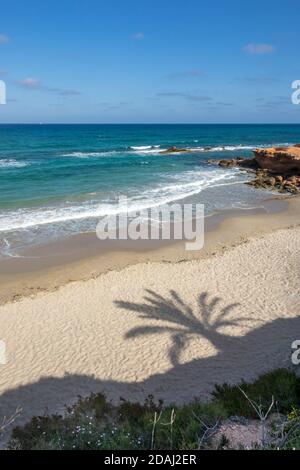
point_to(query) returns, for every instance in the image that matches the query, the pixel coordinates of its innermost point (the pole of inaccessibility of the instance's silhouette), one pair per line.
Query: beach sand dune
(172, 330)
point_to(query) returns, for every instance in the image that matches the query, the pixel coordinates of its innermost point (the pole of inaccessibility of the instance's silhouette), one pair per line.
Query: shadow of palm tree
(262, 348)
(182, 322)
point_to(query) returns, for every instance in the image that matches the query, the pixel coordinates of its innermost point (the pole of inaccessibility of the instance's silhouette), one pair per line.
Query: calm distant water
(57, 180)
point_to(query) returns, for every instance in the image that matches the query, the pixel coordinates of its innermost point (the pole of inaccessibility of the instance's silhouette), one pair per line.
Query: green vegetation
(282, 384)
(94, 423)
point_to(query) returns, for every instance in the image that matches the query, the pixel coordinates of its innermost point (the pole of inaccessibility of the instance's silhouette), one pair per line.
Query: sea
(59, 180)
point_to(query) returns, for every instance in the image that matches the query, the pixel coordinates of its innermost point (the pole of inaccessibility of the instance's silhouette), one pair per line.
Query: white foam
(232, 148)
(157, 149)
(11, 163)
(153, 197)
(5, 249)
(219, 148)
(88, 154)
(145, 147)
(225, 148)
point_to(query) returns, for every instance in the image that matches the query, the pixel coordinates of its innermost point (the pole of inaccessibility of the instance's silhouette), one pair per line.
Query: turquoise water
(57, 180)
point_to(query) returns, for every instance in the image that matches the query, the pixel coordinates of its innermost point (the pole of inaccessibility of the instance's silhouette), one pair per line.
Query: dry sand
(168, 329)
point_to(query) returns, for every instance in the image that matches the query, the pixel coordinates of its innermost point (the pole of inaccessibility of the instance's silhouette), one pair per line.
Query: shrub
(281, 383)
(94, 423)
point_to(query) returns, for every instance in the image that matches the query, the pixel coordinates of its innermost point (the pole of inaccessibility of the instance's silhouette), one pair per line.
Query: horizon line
(152, 123)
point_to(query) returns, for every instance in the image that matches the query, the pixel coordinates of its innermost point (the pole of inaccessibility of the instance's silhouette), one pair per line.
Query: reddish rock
(271, 181)
(279, 179)
(228, 163)
(247, 163)
(293, 179)
(267, 174)
(281, 160)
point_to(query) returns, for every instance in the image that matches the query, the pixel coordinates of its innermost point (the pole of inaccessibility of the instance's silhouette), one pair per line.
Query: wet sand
(83, 257)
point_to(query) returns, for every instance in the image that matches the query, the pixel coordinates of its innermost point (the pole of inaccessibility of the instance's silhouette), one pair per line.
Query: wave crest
(11, 163)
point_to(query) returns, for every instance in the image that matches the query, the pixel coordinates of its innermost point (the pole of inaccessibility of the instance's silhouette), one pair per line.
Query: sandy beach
(167, 325)
(149, 229)
(83, 257)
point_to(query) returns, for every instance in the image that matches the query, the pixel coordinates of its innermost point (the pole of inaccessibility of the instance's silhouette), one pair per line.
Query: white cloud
(30, 83)
(138, 36)
(4, 38)
(259, 49)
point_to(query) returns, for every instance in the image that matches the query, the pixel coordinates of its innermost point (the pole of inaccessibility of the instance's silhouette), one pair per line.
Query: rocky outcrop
(279, 168)
(282, 160)
(249, 163)
(175, 150)
(264, 178)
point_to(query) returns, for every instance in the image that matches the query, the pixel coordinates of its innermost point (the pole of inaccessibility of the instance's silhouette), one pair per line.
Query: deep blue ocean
(57, 180)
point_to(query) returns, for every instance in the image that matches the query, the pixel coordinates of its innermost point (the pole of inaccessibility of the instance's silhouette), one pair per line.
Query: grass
(94, 423)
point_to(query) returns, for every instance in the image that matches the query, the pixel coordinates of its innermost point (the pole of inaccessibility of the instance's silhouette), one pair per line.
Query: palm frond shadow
(258, 350)
(181, 321)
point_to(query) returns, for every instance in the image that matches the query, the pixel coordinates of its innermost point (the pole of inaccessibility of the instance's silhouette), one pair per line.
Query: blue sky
(149, 60)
